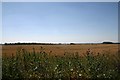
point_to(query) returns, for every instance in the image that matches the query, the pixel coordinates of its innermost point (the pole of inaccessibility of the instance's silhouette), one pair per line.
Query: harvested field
(8, 50)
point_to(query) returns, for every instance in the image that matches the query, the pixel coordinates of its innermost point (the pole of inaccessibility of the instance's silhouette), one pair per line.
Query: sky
(0, 22)
(60, 0)
(61, 22)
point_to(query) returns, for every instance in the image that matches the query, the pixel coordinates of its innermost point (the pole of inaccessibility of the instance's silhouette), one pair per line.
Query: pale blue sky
(0, 22)
(60, 22)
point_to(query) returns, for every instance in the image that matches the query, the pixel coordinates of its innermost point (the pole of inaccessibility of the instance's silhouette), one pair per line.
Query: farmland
(61, 49)
(64, 62)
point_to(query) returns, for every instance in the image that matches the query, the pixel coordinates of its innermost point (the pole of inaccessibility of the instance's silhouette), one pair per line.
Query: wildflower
(80, 75)
(97, 75)
(55, 68)
(59, 72)
(35, 68)
(88, 69)
(71, 69)
(103, 74)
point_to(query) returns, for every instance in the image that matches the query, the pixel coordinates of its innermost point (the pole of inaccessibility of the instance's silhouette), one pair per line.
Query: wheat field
(8, 50)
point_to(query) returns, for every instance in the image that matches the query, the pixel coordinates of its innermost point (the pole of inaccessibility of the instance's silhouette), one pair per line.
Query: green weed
(41, 65)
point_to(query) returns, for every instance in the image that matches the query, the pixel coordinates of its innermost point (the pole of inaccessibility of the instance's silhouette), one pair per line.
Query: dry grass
(36, 63)
(8, 50)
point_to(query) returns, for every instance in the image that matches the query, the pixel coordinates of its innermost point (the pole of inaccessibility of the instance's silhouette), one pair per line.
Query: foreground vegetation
(42, 65)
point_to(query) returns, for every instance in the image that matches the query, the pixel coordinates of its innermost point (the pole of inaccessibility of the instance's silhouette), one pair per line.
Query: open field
(45, 62)
(61, 49)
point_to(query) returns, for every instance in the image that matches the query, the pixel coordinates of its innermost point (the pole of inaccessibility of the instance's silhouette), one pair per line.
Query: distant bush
(72, 43)
(107, 42)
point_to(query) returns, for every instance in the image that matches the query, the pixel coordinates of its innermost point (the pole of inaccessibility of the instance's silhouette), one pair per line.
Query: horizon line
(60, 42)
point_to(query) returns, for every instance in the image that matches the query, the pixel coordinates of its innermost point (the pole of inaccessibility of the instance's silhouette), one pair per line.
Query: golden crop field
(61, 49)
(71, 62)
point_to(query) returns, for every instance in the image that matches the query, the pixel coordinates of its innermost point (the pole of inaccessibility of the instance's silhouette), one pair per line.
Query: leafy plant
(42, 65)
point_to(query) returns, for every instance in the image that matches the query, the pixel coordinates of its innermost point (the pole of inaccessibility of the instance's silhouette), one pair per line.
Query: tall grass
(42, 65)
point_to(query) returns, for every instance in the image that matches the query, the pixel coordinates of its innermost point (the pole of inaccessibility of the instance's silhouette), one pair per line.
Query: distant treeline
(56, 43)
(109, 43)
(31, 44)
